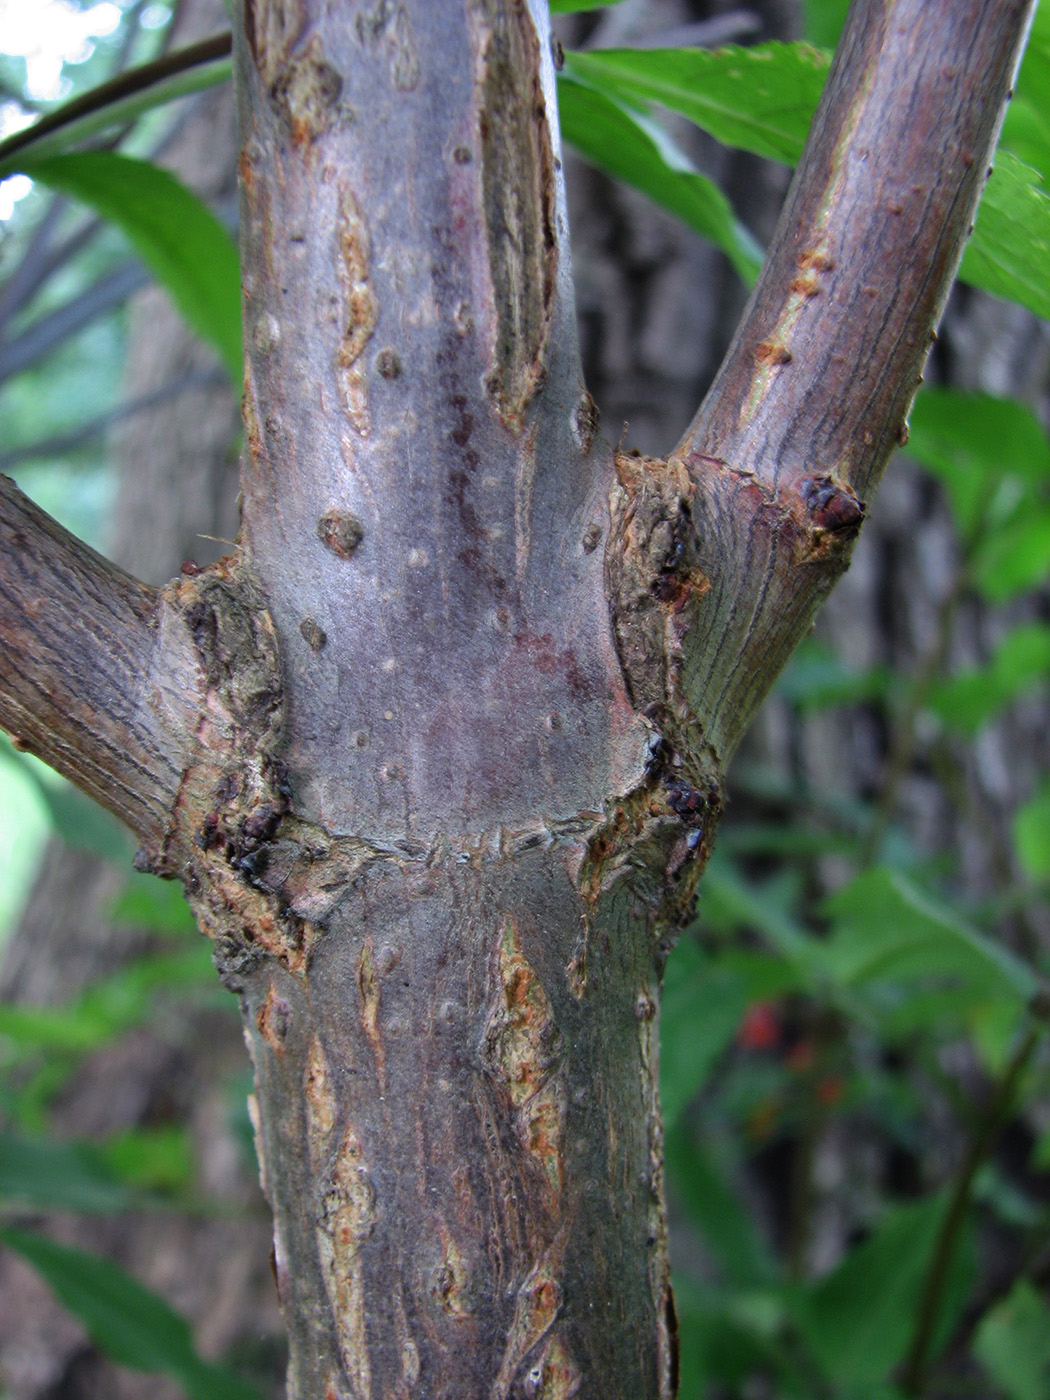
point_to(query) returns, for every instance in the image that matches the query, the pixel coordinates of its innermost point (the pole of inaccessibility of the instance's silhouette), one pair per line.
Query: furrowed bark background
(639, 282)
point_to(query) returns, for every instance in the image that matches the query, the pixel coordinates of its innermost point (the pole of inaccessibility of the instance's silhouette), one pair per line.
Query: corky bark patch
(517, 171)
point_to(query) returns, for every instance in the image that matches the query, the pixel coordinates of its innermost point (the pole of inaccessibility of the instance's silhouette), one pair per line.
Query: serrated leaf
(759, 99)
(128, 1323)
(1013, 1343)
(970, 700)
(178, 238)
(858, 1320)
(1031, 833)
(631, 147)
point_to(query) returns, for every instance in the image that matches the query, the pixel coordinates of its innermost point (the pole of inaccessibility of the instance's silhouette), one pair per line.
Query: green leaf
(728, 1230)
(1031, 832)
(631, 147)
(817, 678)
(859, 1319)
(762, 100)
(178, 238)
(573, 7)
(991, 454)
(759, 99)
(151, 1159)
(107, 1008)
(156, 905)
(1021, 661)
(49, 1175)
(700, 1013)
(128, 1323)
(1009, 253)
(1013, 1343)
(885, 929)
(1016, 557)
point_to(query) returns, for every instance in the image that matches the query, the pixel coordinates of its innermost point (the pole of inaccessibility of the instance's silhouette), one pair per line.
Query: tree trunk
(438, 753)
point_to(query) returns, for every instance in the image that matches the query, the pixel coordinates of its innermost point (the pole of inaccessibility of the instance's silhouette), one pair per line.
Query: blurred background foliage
(855, 1073)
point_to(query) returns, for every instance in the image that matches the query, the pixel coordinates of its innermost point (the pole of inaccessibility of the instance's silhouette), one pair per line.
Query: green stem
(913, 1377)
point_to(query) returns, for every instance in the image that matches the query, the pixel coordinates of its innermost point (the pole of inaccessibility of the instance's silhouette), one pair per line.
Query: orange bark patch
(770, 352)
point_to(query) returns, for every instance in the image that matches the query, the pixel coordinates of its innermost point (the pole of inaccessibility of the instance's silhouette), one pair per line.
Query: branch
(117, 89)
(814, 392)
(77, 639)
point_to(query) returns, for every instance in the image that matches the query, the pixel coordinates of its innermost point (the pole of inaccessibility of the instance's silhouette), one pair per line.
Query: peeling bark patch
(348, 1214)
(234, 791)
(306, 91)
(368, 990)
(450, 1280)
(536, 1308)
(361, 311)
(272, 28)
(388, 22)
(517, 176)
(554, 1375)
(585, 423)
(522, 1050)
(320, 1100)
(340, 532)
(272, 1019)
(768, 352)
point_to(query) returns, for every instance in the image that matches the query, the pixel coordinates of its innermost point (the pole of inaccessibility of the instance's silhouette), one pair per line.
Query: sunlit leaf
(631, 147)
(991, 454)
(758, 99)
(181, 242)
(1009, 253)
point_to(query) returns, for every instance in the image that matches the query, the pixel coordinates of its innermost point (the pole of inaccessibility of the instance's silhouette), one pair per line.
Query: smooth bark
(455, 718)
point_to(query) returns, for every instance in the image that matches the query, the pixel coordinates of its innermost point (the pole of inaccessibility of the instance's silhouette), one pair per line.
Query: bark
(449, 769)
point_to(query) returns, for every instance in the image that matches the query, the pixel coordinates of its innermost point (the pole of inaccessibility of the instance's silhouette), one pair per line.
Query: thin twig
(125, 85)
(913, 1376)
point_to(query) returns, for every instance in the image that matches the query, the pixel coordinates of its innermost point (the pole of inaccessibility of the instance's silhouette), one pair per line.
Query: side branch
(823, 369)
(77, 644)
(721, 555)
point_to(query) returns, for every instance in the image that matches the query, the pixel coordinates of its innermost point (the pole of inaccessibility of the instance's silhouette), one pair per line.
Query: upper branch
(721, 555)
(829, 354)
